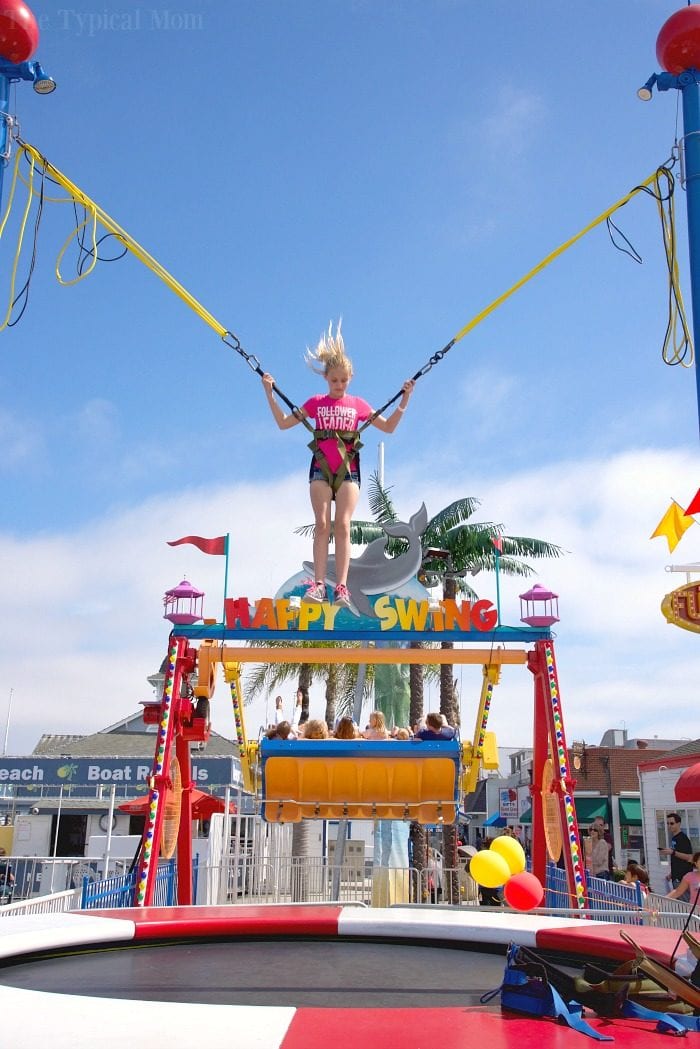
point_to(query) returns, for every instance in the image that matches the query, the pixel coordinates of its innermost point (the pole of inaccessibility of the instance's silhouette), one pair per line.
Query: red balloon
(19, 32)
(678, 43)
(523, 891)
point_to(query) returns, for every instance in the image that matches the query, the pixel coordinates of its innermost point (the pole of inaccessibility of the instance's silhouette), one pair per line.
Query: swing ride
(235, 969)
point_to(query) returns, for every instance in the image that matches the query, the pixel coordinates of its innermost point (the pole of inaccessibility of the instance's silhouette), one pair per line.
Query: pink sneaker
(341, 595)
(316, 592)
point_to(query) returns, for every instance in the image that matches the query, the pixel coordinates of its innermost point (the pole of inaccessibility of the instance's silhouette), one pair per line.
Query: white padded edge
(38, 932)
(468, 925)
(64, 1021)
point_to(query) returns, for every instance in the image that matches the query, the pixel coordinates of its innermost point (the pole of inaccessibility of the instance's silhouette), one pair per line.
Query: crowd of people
(683, 878)
(433, 726)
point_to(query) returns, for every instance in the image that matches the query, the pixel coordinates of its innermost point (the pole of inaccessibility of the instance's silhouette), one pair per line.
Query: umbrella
(203, 805)
(688, 786)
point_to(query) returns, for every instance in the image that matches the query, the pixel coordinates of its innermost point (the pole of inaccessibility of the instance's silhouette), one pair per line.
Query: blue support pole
(688, 83)
(4, 127)
(690, 91)
(11, 72)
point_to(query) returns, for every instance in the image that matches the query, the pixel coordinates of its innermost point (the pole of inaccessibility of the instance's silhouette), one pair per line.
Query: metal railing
(26, 877)
(118, 891)
(56, 903)
(670, 914)
(248, 879)
(618, 901)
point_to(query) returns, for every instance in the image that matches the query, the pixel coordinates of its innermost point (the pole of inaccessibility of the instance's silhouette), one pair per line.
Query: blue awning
(495, 820)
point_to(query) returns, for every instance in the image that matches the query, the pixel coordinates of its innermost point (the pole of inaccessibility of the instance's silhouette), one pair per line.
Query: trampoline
(289, 977)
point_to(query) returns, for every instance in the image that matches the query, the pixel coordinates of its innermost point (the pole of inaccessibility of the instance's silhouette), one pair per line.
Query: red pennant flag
(207, 546)
(498, 543)
(694, 507)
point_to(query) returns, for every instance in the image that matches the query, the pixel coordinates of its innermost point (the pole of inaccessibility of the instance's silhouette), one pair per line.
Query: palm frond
(380, 502)
(362, 533)
(513, 566)
(521, 546)
(305, 530)
(450, 516)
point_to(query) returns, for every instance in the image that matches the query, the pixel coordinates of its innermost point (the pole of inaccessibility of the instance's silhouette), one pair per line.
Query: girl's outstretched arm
(389, 425)
(682, 887)
(285, 422)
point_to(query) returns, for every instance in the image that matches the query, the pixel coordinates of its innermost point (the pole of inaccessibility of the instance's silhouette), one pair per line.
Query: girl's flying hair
(330, 352)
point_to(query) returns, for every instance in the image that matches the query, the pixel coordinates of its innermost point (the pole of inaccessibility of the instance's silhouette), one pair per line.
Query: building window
(690, 823)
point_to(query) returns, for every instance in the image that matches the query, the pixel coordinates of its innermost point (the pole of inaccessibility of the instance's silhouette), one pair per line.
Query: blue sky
(400, 163)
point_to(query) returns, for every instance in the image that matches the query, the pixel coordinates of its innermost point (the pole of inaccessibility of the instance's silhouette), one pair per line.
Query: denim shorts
(317, 474)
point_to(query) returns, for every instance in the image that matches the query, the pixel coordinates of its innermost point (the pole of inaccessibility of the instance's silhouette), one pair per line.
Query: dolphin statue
(375, 573)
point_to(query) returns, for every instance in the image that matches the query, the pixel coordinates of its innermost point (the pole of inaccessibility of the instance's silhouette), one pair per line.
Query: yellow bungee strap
(96, 215)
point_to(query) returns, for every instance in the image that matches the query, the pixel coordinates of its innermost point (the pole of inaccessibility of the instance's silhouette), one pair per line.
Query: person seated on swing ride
(435, 728)
(335, 465)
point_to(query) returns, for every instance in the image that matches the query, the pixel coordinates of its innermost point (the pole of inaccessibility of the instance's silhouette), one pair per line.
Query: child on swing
(335, 465)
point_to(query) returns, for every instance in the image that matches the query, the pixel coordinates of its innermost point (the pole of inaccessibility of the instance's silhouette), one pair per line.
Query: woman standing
(597, 851)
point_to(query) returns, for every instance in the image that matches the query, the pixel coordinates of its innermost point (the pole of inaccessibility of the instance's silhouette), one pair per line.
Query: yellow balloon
(512, 852)
(489, 869)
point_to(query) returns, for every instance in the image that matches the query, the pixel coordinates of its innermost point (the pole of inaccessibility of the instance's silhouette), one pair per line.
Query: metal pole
(236, 854)
(225, 858)
(380, 464)
(55, 837)
(110, 820)
(691, 142)
(12, 691)
(687, 83)
(498, 586)
(342, 832)
(4, 127)
(223, 613)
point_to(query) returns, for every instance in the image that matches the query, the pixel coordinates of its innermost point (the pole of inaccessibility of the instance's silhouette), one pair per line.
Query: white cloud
(97, 422)
(20, 442)
(487, 394)
(513, 124)
(82, 625)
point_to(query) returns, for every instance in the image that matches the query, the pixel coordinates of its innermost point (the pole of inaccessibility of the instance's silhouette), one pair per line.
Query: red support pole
(184, 832)
(539, 757)
(550, 742)
(159, 781)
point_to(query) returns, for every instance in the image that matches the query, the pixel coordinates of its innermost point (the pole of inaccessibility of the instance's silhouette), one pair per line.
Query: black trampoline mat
(333, 973)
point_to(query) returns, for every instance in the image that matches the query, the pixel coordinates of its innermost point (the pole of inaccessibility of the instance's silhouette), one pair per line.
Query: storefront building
(55, 799)
(664, 779)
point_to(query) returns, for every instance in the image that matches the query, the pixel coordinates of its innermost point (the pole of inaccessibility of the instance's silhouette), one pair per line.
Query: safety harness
(349, 441)
(349, 444)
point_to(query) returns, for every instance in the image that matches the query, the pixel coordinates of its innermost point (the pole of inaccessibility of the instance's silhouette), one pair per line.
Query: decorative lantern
(539, 607)
(183, 604)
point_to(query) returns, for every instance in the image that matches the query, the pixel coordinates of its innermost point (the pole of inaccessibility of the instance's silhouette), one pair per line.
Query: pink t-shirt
(693, 882)
(339, 413)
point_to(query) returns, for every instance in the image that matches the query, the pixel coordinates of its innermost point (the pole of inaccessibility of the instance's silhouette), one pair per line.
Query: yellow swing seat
(360, 779)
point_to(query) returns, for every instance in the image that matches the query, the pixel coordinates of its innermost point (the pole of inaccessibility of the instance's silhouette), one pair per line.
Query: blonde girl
(334, 475)
(377, 726)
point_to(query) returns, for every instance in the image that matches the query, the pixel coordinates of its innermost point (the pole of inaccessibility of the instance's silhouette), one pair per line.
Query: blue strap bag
(526, 989)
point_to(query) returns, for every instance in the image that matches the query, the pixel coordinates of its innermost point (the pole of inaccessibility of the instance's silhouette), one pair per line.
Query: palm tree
(454, 547)
(363, 533)
(340, 679)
